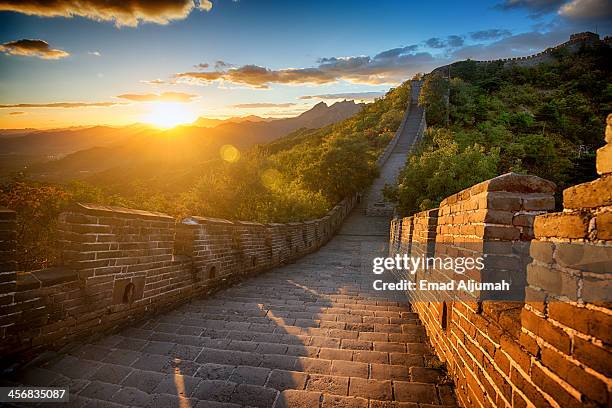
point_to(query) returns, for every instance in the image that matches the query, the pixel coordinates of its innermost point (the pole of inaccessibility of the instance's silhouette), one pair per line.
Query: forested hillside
(298, 177)
(545, 120)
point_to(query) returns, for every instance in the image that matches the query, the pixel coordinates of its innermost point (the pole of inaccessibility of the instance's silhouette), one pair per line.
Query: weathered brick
(562, 225)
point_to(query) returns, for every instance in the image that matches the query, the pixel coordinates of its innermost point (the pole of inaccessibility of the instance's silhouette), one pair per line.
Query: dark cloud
(201, 66)
(535, 7)
(221, 65)
(396, 52)
(516, 45)
(435, 42)
(263, 105)
(454, 41)
(121, 12)
(587, 10)
(491, 34)
(163, 97)
(17, 113)
(32, 48)
(362, 96)
(61, 105)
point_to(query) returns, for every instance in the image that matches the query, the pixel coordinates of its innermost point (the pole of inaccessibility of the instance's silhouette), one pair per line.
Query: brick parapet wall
(506, 354)
(568, 320)
(120, 265)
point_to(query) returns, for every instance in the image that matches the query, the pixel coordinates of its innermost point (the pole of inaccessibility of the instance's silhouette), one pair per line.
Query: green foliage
(433, 97)
(537, 120)
(441, 166)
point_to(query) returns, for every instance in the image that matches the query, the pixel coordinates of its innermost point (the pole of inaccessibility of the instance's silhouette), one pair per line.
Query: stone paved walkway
(310, 334)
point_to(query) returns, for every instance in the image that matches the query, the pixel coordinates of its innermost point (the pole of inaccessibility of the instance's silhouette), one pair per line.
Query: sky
(73, 63)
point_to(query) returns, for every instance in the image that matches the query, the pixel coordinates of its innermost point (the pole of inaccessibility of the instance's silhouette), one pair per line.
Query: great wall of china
(574, 43)
(148, 311)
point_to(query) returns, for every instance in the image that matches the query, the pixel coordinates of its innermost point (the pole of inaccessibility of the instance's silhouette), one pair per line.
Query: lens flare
(229, 153)
(271, 178)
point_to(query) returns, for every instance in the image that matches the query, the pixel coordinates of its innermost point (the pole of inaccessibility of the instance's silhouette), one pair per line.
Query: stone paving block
(158, 347)
(132, 344)
(250, 375)
(253, 395)
(145, 381)
(371, 356)
(111, 373)
(335, 401)
(409, 360)
(390, 347)
(279, 361)
(271, 348)
(73, 367)
(211, 371)
(214, 390)
(426, 375)
(99, 390)
(389, 372)
(298, 399)
(374, 389)
(354, 344)
(349, 369)
(284, 379)
(335, 354)
(171, 401)
(415, 392)
(176, 384)
(313, 365)
(328, 384)
(133, 397)
(302, 351)
(122, 357)
(185, 352)
(239, 345)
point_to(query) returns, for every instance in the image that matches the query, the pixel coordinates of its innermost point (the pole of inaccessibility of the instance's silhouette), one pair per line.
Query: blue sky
(275, 52)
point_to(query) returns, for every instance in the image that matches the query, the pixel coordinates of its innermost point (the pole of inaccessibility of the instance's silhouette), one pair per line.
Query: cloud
(535, 7)
(61, 105)
(362, 96)
(201, 66)
(435, 42)
(32, 48)
(387, 67)
(163, 97)
(263, 105)
(17, 113)
(157, 81)
(221, 65)
(516, 45)
(587, 10)
(491, 34)
(452, 41)
(95, 53)
(121, 12)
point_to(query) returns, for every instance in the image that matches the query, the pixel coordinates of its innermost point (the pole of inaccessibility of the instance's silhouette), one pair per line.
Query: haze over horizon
(67, 64)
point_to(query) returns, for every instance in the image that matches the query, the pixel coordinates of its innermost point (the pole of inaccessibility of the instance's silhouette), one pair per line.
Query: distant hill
(104, 153)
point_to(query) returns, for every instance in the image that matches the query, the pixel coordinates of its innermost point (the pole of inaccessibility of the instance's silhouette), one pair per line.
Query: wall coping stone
(509, 182)
(98, 209)
(198, 220)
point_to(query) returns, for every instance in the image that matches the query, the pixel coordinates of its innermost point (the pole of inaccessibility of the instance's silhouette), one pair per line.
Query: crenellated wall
(549, 347)
(120, 265)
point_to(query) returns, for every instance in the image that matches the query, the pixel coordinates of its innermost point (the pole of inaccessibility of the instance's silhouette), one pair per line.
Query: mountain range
(84, 153)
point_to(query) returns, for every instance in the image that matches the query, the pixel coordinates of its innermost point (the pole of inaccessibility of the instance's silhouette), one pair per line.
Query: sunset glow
(167, 115)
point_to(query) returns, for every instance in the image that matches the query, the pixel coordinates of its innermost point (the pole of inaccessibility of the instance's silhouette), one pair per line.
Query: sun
(167, 115)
